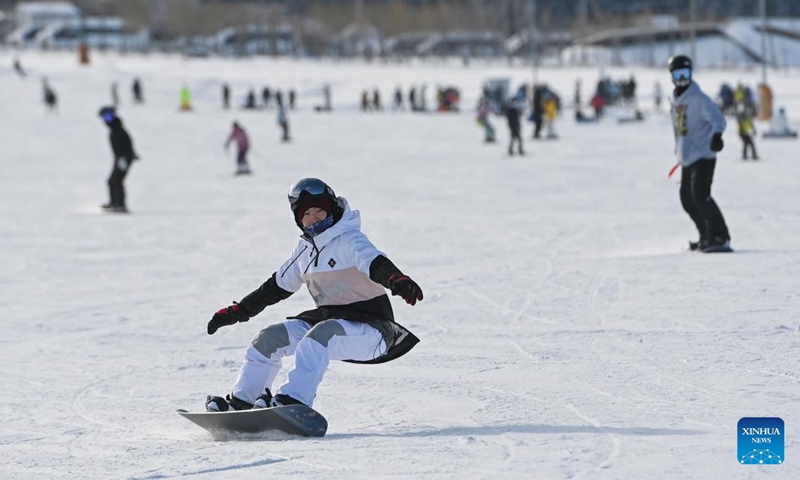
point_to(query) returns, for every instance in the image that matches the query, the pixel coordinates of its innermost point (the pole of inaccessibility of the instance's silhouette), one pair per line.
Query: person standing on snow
(513, 111)
(239, 136)
(698, 124)
(136, 88)
(50, 97)
(226, 96)
(122, 146)
(657, 95)
(747, 128)
(283, 119)
(484, 112)
(353, 319)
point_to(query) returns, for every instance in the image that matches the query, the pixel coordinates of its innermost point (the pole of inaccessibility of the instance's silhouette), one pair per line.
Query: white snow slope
(566, 331)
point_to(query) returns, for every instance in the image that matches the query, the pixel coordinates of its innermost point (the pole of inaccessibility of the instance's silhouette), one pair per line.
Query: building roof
(33, 8)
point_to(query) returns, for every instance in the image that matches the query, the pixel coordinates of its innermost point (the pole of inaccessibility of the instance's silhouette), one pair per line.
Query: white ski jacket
(341, 268)
(335, 266)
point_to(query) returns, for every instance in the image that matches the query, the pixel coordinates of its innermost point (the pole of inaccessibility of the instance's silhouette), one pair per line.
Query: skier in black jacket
(122, 146)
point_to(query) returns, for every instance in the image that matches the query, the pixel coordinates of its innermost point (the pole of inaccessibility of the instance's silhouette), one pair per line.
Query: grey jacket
(695, 119)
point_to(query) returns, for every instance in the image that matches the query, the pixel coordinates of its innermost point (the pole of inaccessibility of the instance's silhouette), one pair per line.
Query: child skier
(239, 136)
(346, 275)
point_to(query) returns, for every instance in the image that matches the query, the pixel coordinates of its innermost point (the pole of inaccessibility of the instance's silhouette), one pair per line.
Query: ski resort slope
(565, 332)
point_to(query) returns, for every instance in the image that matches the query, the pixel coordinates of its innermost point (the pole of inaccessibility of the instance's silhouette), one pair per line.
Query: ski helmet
(680, 66)
(313, 192)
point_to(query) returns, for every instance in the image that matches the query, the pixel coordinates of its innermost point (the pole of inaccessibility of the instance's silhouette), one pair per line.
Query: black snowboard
(293, 419)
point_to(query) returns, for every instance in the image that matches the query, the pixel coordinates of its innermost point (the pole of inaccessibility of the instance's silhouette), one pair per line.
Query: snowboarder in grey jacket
(353, 320)
(698, 124)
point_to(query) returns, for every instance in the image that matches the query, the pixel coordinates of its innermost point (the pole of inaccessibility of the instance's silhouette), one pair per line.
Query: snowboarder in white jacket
(353, 319)
(698, 124)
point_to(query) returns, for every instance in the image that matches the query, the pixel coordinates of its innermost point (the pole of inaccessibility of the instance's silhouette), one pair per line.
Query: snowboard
(718, 249)
(292, 419)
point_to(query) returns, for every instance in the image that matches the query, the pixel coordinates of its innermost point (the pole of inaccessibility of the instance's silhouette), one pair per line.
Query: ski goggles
(107, 117)
(682, 74)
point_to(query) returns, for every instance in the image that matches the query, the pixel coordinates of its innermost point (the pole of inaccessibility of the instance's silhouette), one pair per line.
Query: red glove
(227, 316)
(402, 286)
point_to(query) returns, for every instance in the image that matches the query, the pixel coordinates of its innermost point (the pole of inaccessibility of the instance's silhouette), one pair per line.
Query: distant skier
(115, 94)
(239, 136)
(185, 99)
(326, 100)
(50, 97)
(698, 124)
(376, 100)
(18, 68)
(283, 120)
(513, 111)
(326, 94)
(746, 124)
(124, 155)
(550, 110)
(657, 95)
(353, 321)
(598, 103)
(292, 98)
(266, 96)
(484, 112)
(226, 96)
(250, 100)
(779, 126)
(537, 109)
(365, 105)
(136, 88)
(397, 104)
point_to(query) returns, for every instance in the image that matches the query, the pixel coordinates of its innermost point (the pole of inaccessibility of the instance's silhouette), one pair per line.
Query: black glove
(403, 286)
(717, 143)
(227, 316)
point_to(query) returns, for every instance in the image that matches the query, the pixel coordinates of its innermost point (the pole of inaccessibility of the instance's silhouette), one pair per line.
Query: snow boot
(264, 400)
(698, 246)
(280, 400)
(718, 245)
(219, 404)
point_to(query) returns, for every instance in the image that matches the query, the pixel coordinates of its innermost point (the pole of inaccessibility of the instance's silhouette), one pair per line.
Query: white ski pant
(313, 349)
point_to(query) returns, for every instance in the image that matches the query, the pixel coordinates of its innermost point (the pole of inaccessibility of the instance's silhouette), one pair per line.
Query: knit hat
(325, 203)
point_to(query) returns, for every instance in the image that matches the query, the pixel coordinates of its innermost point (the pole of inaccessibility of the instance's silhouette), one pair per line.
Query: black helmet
(680, 66)
(313, 192)
(679, 61)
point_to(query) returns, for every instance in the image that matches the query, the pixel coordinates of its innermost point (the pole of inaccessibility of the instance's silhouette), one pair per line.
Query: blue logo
(760, 441)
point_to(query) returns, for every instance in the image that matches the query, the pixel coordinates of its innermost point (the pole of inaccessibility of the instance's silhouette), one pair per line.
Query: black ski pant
(747, 140)
(515, 137)
(697, 202)
(537, 127)
(116, 189)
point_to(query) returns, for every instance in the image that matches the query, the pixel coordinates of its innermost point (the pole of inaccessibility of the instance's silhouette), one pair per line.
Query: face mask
(319, 227)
